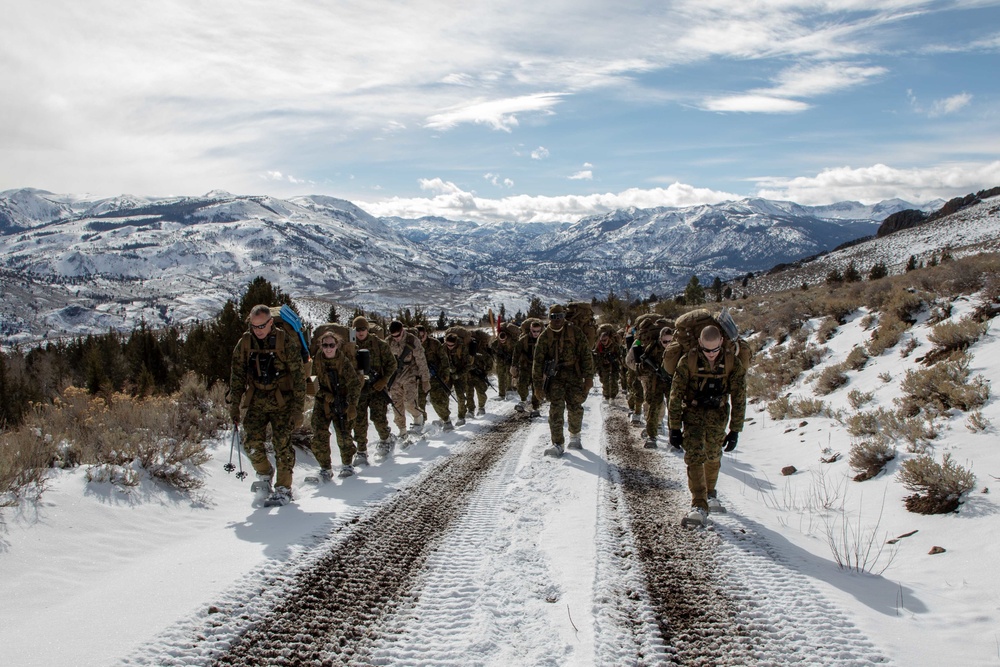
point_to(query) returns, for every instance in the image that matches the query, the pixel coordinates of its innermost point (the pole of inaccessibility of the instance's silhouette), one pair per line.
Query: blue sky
(512, 110)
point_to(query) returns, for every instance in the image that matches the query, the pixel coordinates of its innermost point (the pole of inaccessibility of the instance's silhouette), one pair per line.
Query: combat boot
(345, 471)
(325, 474)
(480, 412)
(574, 441)
(281, 495)
(460, 421)
(650, 443)
(636, 419)
(519, 407)
(360, 459)
(714, 506)
(555, 451)
(447, 426)
(696, 518)
(534, 413)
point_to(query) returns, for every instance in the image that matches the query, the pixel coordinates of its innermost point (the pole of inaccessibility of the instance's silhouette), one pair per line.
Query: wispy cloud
(496, 180)
(754, 104)
(950, 104)
(540, 153)
(877, 182)
(452, 202)
(498, 114)
(584, 175)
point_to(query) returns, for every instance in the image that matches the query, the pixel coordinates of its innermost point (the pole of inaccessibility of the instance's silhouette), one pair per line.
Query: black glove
(676, 438)
(730, 441)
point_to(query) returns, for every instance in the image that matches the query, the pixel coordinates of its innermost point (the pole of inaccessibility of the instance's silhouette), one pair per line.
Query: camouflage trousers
(503, 378)
(322, 417)
(633, 386)
(704, 433)
(405, 394)
(523, 386)
(609, 380)
(461, 386)
(440, 400)
(476, 388)
(565, 394)
(264, 410)
(654, 399)
(377, 404)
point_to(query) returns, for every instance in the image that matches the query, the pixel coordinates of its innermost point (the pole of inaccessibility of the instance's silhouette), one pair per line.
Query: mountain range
(72, 265)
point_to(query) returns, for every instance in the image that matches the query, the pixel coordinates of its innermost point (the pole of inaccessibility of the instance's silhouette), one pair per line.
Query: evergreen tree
(536, 308)
(717, 289)
(878, 270)
(911, 263)
(442, 323)
(835, 277)
(851, 273)
(260, 290)
(694, 293)
(332, 315)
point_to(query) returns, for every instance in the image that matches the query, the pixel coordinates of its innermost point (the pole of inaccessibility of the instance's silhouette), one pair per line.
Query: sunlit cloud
(496, 180)
(950, 104)
(540, 153)
(878, 182)
(754, 104)
(454, 203)
(497, 114)
(584, 175)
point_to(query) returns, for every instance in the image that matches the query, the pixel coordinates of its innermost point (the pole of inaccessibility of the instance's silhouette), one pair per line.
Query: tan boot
(696, 484)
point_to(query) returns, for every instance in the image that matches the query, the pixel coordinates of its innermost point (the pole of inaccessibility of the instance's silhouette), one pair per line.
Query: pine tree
(332, 315)
(878, 270)
(536, 308)
(851, 273)
(911, 263)
(694, 293)
(717, 289)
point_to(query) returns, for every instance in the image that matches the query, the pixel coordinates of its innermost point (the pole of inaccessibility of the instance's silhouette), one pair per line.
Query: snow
(93, 576)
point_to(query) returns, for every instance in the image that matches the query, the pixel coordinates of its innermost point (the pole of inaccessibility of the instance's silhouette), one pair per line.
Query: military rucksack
(688, 328)
(581, 315)
(526, 324)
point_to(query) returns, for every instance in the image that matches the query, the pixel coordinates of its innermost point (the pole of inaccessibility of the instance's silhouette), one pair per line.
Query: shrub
(831, 378)
(786, 408)
(908, 347)
(888, 333)
(977, 423)
(943, 386)
(888, 425)
(868, 458)
(951, 336)
(858, 398)
(939, 487)
(856, 359)
(827, 328)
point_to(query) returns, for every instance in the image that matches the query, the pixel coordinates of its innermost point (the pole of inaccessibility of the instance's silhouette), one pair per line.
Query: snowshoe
(696, 518)
(480, 412)
(519, 407)
(382, 449)
(460, 421)
(716, 507)
(534, 413)
(325, 475)
(360, 459)
(281, 495)
(262, 487)
(345, 471)
(555, 451)
(448, 426)
(650, 443)
(574, 441)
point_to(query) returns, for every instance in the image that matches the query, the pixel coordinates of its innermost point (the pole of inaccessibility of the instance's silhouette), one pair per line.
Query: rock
(801, 424)
(213, 610)
(936, 550)
(789, 470)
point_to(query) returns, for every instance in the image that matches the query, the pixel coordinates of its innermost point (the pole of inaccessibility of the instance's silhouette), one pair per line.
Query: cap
(360, 323)
(395, 326)
(557, 309)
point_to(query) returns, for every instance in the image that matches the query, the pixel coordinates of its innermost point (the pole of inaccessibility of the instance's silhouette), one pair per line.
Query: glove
(730, 441)
(588, 384)
(676, 438)
(380, 384)
(425, 387)
(352, 412)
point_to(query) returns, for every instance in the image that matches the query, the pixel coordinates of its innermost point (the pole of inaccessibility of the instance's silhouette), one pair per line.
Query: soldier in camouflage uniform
(459, 364)
(267, 381)
(411, 376)
(608, 361)
(562, 371)
(373, 397)
(439, 368)
(503, 356)
(631, 384)
(708, 380)
(339, 387)
(647, 362)
(479, 371)
(520, 370)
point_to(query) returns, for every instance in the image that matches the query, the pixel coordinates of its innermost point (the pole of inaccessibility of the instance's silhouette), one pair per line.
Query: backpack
(526, 324)
(464, 335)
(688, 328)
(344, 333)
(281, 330)
(581, 315)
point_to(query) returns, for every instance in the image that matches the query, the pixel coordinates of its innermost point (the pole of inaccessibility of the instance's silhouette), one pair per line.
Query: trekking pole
(236, 444)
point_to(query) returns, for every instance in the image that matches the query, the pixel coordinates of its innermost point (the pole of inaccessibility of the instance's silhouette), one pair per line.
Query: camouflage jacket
(524, 353)
(272, 365)
(708, 388)
(570, 350)
(608, 358)
(459, 360)
(410, 365)
(382, 360)
(339, 381)
(503, 352)
(435, 354)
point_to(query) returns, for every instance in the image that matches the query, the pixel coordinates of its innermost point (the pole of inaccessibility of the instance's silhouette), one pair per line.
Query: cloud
(540, 153)
(754, 104)
(497, 181)
(452, 202)
(585, 175)
(498, 114)
(949, 104)
(878, 182)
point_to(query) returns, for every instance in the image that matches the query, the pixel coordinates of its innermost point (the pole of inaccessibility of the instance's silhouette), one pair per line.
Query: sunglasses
(557, 316)
(711, 351)
(328, 346)
(262, 326)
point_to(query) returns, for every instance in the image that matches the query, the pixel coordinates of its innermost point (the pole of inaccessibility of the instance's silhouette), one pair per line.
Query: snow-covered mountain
(75, 264)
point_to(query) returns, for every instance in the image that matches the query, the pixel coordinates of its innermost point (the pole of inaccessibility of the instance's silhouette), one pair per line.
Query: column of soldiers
(553, 362)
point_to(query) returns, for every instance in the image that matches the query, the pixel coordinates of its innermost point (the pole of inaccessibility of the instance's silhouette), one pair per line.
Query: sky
(506, 110)
(128, 576)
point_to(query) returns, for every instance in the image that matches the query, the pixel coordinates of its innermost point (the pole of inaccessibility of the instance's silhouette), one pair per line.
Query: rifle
(434, 374)
(364, 358)
(660, 371)
(339, 402)
(481, 374)
(549, 371)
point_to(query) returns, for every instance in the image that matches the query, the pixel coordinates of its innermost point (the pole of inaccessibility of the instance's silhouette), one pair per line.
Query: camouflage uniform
(479, 371)
(411, 376)
(566, 391)
(439, 369)
(655, 382)
(339, 387)
(383, 365)
(459, 365)
(503, 356)
(701, 402)
(608, 360)
(524, 354)
(268, 382)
